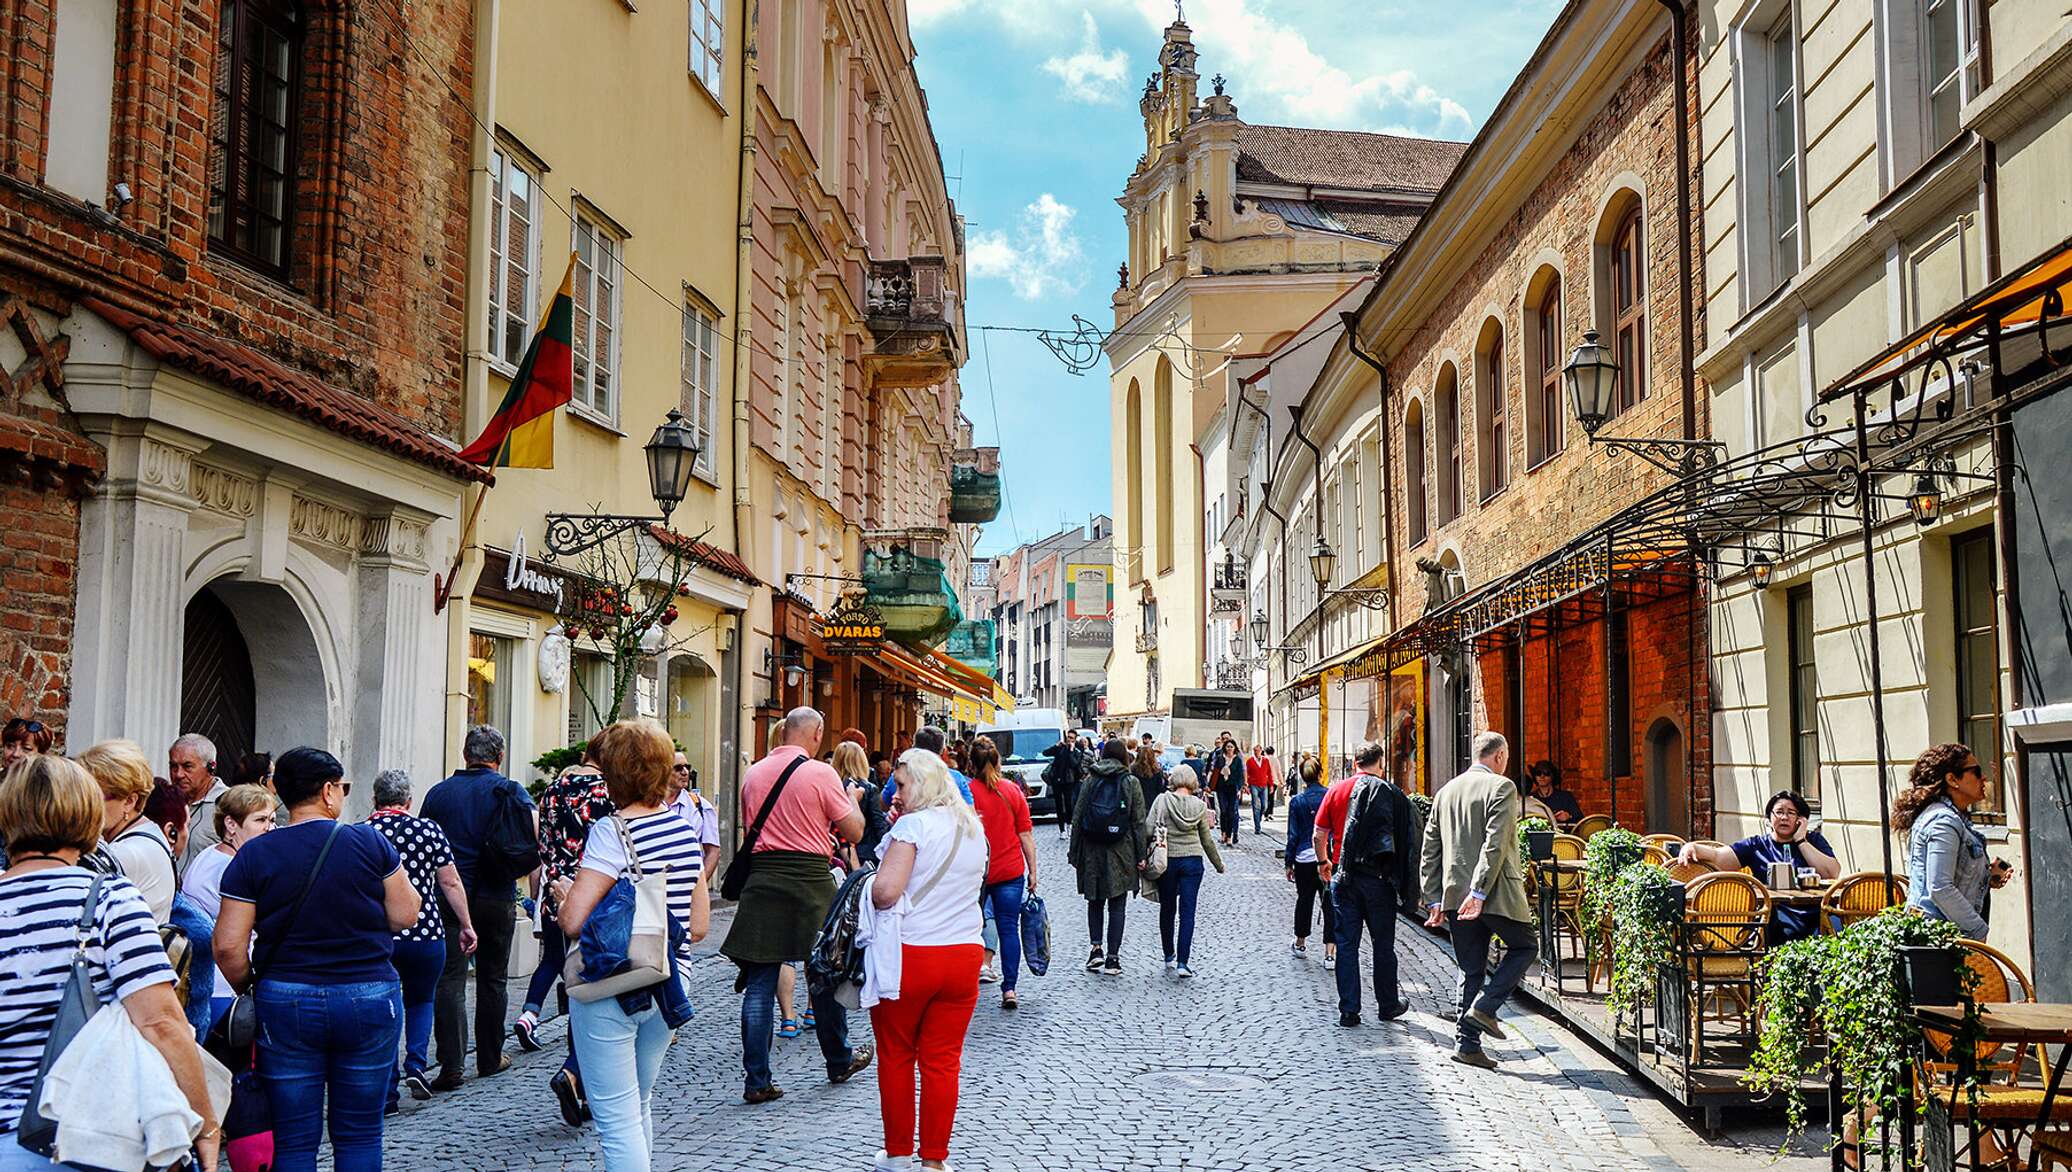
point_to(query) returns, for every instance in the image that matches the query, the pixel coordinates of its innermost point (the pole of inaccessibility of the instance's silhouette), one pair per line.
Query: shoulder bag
(77, 1002)
(646, 947)
(232, 1037)
(735, 880)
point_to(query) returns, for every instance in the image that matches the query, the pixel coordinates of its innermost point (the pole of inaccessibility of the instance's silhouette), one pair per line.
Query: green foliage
(1847, 985)
(1643, 936)
(553, 761)
(1529, 824)
(1604, 856)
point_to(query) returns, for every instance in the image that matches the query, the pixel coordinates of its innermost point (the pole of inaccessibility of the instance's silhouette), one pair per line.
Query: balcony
(972, 643)
(912, 314)
(1147, 641)
(1233, 676)
(903, 577)
(1227, 591)
(974, 485)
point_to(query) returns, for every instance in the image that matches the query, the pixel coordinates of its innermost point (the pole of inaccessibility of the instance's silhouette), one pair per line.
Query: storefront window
(589, 695)
(490, 680)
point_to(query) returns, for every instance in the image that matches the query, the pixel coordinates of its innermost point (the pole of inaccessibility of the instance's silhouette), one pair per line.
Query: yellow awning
(1335, 661)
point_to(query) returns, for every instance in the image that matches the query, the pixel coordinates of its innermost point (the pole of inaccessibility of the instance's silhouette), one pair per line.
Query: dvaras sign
(854, 627)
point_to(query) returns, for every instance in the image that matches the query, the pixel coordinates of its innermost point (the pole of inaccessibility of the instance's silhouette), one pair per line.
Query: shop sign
(515, 578)
(854, 627)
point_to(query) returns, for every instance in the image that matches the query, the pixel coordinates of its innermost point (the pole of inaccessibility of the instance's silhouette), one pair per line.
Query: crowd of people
(248, 929)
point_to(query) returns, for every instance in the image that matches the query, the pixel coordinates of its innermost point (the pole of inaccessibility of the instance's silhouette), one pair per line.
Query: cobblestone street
(1242, 1068)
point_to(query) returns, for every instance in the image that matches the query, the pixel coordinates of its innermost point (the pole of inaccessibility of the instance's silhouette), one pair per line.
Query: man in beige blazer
(1474, 882)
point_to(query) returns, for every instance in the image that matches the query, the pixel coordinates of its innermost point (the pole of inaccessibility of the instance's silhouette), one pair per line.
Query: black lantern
(1322, 561)
(1259, 628)
(1925, 501)
(1760, 569)
(671, 454)
(1592, 377)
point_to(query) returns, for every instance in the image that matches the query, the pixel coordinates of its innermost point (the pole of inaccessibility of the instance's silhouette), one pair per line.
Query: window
(590, 686)
(1449, 444)
(708, 44)
(1545, 388)
(700, 379)
(1414, 468)
(1629, 311)
(1494, 451)
(252, 130)
(1978, 655)
(513, 256)
(1162, 456)
(1804, 692)
(1943, 56)
(490, 680)
(1133, 489)
(1770, 162)
(596, 318)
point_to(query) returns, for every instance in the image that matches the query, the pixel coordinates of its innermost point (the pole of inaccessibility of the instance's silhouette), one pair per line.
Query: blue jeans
(1177, 889)
(418, 963)
(1365, 901)
(1003, 904)
(1259, 804)
(336, 1038)
(553, 951)
(621, 1055)
(16, 1158)
(759, 997)
(1479, 988)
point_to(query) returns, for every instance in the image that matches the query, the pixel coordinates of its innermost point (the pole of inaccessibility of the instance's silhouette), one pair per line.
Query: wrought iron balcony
(911, 311)
(1147, 640)
(1233, 675)
(903, 577)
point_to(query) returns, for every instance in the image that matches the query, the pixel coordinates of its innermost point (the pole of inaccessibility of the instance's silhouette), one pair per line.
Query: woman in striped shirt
(621, 1053)
(50, 814)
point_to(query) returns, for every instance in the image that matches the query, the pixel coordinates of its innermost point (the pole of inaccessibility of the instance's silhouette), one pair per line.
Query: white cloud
(922, 12)
(1038, 257)
(1090, 75)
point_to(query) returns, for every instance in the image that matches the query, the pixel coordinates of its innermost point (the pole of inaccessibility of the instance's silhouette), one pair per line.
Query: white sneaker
(887, 1163)
(989, 975)
(1171, 964)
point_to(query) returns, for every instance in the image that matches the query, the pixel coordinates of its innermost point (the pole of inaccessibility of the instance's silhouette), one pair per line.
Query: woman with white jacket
(934, 858)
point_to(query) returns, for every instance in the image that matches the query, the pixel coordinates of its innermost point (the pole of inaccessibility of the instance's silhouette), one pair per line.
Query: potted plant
(1536, 839)
(1646, 906)
(1607, 854)
(1929, 974)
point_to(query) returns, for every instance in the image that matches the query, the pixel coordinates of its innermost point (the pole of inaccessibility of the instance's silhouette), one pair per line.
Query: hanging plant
(1787, 1005)
(1643, 935)
(1527, 826)
(1606, 854)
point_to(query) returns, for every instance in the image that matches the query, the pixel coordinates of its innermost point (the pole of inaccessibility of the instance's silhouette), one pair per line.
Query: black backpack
(1106, 818)
(1370, 828)
(510, 846)
(835, 965)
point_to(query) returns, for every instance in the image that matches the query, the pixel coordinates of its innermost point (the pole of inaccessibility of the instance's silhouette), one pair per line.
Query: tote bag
(647, 942)
(77, 1002)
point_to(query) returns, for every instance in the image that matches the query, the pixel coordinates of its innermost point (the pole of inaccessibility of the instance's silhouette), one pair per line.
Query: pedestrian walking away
(853, 767)
(420, 949)
(326, 901)
(936, 859)
(1184, 820)
(1145, 768)
(797, 801)
(1366, 831)
(471, 806)
(1107, 851)
(570, 805)
(1003, 812)
(1474, 882)
(1304, 869)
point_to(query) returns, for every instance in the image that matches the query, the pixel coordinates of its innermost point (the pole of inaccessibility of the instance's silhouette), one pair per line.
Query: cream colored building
(629, 158)
(1239, 234)
(1867, 166)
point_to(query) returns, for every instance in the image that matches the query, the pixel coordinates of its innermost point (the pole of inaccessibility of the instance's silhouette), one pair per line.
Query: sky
(1035, 107)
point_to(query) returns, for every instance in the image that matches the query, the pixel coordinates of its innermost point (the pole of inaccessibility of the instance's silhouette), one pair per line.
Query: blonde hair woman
(132, 843)
(243, 813)
(854, 765)
(1184, 817)
(935, 857)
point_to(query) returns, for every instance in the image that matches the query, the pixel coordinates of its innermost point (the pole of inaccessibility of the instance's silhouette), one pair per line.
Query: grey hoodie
(1185, 819)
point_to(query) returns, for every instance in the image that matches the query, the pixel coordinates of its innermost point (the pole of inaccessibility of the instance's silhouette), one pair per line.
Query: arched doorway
(252, 677)
(1669, 789)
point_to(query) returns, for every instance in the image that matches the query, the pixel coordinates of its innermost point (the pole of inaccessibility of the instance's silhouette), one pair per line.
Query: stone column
(129, 643)
(394, 721)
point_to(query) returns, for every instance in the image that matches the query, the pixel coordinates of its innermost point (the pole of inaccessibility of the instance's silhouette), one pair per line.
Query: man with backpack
(1365, 833)
(494, 831)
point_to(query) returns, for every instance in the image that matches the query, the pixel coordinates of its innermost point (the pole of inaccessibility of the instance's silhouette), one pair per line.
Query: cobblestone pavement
(1242, 1068)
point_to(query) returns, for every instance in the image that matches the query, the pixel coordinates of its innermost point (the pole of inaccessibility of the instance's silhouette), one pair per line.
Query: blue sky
(1034, 104)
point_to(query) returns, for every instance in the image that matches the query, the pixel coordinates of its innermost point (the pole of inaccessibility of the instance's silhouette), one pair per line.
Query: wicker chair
(1859, 897)
(1654, 855)
(1726, 919)
(1568, 892)
(2005, 1105)
(1590, 824)
(1670, 843)
(1685, 872)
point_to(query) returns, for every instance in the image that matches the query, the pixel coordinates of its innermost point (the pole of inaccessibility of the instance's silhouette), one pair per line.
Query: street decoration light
(1260, 628)
(1760, 568)
(1925, 501)
(672, 453)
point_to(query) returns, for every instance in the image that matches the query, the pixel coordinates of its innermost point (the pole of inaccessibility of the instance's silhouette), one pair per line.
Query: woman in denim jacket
(1946, 855)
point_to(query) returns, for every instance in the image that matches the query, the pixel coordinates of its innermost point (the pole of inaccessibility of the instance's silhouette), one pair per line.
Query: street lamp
(1260, 628)
(672, 452)
(1925, 502)
(1592, 377)
(1760, 568)
(1322, 561)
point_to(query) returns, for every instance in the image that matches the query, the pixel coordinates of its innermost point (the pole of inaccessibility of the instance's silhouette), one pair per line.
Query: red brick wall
(39, 557)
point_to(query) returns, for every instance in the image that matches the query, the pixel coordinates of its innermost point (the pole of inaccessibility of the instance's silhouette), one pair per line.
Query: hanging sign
(853, 627)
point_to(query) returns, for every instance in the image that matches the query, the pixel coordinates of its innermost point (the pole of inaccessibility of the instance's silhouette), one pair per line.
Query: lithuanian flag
(521, 433)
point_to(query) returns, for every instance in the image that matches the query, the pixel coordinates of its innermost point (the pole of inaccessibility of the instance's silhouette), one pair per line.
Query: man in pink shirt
(790, 802)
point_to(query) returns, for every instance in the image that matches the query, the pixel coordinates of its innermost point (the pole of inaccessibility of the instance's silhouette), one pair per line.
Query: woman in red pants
(935, 858)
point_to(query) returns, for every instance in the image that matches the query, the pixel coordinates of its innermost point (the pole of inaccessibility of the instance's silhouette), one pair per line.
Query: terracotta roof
(1386, 222)
(1343, 158)
(50, 446)
(249, 372)
(710, 556)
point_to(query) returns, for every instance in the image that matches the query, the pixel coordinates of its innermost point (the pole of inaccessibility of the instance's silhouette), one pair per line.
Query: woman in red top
(1011, 857)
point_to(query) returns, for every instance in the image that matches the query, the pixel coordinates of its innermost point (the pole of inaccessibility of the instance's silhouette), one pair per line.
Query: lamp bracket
(1373, 598)
(1679, 457)
(569, 534)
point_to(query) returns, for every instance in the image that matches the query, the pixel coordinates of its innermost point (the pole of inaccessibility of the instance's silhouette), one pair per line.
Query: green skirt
(781, 909)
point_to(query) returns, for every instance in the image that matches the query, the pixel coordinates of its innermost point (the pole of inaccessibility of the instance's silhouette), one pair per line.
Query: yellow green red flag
(521, 432)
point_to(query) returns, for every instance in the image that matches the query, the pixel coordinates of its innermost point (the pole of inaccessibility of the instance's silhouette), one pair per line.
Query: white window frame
(601, 288)
(707, 45)
(699, 371)
(1905, 68)
(1773, 238)
(503, 163)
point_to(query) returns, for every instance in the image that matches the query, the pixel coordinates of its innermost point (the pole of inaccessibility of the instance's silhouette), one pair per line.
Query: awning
(1339, 660)
(971, 682)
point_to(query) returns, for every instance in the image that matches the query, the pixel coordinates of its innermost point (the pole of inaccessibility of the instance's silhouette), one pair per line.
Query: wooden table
(2039, 1023)
(1800, 896)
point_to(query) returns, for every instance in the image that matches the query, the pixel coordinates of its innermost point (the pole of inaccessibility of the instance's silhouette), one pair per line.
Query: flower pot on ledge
(1928, 975)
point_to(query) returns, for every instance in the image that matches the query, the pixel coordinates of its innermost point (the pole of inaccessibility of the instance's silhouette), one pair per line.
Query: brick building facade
(240, 233)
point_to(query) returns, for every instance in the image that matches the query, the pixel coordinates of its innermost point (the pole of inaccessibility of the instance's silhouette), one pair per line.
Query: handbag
(77, 1002)
(248, 1124)
(735, 879)
(233, 1038)
(1035, 935)
(1155, 862)
(647, 936)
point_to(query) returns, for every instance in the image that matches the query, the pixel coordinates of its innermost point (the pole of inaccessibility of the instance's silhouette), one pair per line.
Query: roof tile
(1343, 158)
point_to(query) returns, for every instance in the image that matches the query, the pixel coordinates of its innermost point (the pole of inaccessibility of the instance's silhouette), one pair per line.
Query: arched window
(1162, 457)
(1493, 433)
(1630, 309)
(258, 97)
(1133, 488)
(1414, 468)
(1543, 420)
(1448, 398)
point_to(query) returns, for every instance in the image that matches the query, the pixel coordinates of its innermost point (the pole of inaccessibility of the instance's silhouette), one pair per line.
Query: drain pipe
(1266, 500)
(744, 283)
(1679, 23)
(1351, 322)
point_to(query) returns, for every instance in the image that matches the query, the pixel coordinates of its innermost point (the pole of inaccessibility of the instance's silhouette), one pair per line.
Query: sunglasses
(680, 768)
(344, 787)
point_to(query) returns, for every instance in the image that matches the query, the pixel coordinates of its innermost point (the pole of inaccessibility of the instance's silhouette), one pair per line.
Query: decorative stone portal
(241, 702)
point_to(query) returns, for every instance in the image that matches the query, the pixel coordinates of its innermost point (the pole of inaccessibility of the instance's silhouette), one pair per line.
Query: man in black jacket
(1067, 765)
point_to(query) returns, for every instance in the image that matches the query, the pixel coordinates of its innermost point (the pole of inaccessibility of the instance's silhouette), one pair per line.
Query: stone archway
(252, 677)
(1668, 780)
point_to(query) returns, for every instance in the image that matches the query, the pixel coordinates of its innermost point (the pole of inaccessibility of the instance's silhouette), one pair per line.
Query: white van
(1021, 736)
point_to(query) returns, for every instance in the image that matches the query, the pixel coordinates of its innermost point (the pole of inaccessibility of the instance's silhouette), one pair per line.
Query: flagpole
(442, 588)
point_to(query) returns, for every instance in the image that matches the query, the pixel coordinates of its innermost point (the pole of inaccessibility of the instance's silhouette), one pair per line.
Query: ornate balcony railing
(911, 311)
(1233, 675)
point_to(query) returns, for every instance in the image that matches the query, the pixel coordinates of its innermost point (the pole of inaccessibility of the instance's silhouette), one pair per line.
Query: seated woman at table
(1946, 855)
(1791, 839)
(1546, 786)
